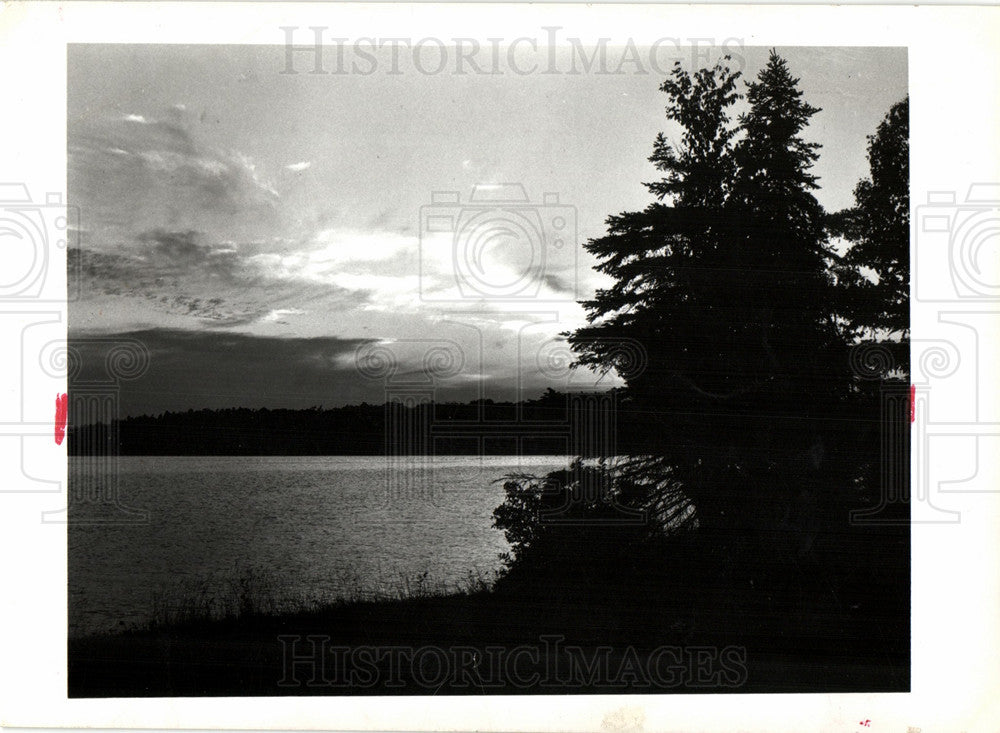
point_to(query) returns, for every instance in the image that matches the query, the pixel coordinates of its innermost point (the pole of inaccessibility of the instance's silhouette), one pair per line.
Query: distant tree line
(534, 427)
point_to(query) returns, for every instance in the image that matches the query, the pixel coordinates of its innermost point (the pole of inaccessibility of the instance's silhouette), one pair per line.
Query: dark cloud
(175, 245)
(173, 274)
(198, 369)
(560, 283)
(178, 273)
(219, 369)
(184, 252)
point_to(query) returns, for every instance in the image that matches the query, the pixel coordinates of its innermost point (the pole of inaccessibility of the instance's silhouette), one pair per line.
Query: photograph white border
(955, 114)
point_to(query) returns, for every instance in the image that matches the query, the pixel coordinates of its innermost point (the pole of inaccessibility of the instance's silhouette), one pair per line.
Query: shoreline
(491, 642)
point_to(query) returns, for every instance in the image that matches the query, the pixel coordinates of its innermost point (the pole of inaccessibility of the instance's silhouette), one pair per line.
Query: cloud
(460, 359)
(119, 282)
(184, 252)
(560, 283)
(276, 315)
(137, 172)
(334, 255)
(183, 233)
(178, 274)
(190, 369)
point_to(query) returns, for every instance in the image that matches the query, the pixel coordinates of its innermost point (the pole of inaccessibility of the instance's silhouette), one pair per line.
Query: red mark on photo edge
(62, 407)
(913, 402)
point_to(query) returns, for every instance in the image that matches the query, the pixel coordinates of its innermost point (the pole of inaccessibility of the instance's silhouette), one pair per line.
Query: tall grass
(253, 592)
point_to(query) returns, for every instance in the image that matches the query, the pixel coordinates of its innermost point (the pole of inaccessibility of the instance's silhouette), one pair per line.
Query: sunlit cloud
(278, 314)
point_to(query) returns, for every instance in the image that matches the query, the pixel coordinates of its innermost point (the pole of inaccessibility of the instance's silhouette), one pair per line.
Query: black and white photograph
(620, 368)
(429, 383)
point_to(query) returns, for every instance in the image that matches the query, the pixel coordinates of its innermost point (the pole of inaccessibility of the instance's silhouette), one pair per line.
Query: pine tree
(665, 260)
(745, 418)
(670, 290)
(787, 298)
(875, 271)
(726, 282)
(785, 343)
(873, 279)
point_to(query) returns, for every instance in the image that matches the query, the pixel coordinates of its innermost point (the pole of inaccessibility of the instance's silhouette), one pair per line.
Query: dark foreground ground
(496, 643)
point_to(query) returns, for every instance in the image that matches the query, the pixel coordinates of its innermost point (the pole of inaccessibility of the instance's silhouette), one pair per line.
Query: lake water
(314, 528)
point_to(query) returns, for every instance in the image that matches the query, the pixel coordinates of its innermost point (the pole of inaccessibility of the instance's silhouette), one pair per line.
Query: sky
(289, 240)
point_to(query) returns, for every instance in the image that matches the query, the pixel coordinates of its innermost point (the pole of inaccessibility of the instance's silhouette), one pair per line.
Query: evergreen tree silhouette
(743, 421)
(875, 270)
